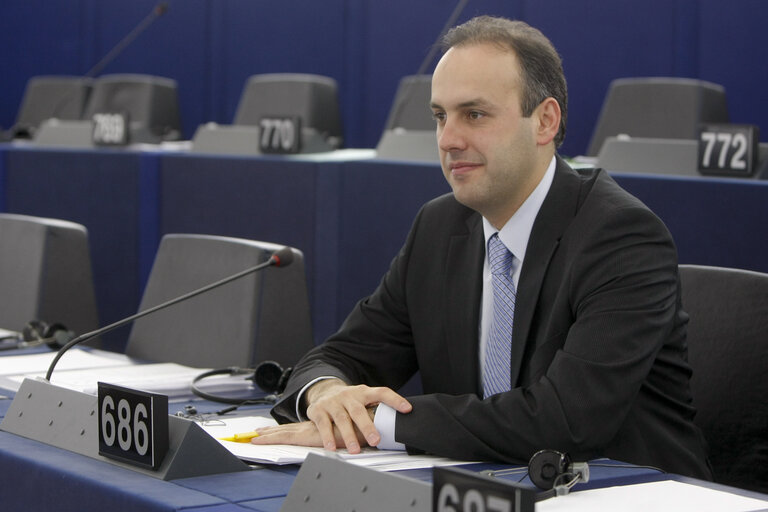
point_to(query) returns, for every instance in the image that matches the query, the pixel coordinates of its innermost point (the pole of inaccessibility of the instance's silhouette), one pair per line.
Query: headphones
(37, 332)
(269, 376)
(555, 473)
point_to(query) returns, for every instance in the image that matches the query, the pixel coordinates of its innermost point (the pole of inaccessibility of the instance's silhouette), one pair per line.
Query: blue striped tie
(497, 350)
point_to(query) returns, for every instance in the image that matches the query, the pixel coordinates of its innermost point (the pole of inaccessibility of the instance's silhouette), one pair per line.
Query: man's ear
(547, 116)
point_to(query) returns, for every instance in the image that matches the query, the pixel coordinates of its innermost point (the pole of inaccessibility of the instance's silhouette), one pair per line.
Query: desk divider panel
(67, 419)
(328, 483)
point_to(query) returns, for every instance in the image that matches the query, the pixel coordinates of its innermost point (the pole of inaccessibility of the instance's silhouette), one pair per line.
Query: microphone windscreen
(283, 257)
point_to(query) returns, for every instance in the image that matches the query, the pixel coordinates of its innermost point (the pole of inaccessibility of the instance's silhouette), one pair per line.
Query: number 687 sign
(727, 149)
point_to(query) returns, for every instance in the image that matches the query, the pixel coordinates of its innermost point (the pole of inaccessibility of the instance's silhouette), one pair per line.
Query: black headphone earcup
(34, 331)
(269, 377)
(546, 466)
(57, 335)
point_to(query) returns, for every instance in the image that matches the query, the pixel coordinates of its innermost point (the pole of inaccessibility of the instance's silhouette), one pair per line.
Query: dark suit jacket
(599, 355)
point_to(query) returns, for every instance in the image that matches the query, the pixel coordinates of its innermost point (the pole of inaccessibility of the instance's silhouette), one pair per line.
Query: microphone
(144, 24)
(431, 54)
(280, 258)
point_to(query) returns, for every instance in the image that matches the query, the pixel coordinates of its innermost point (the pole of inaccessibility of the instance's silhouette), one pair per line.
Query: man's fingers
(347, 431)
(301, 434)
(391, 398)
(325, 429)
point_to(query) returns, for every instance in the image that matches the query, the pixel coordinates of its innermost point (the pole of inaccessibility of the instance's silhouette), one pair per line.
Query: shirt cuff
(384, 421)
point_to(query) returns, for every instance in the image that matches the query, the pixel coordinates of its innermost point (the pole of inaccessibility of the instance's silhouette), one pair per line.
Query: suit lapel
(463, 287)
(556, 213)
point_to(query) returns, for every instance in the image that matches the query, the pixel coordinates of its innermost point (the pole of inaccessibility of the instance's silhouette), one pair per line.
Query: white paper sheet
(166, 378)
(383, 460)
(81, 370)
(666, 496)
(74, 359)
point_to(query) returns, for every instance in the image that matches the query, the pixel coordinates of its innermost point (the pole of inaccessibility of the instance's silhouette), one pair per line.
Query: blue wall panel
(599, 41)
(254, 37)
(38, 37)
(734, 53)
(211, 46)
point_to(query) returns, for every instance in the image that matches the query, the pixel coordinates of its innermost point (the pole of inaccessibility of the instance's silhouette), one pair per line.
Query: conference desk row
(35, 476)
(349, 213)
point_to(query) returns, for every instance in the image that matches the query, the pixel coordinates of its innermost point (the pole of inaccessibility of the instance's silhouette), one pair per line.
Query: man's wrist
(319, 386)
(301, 397)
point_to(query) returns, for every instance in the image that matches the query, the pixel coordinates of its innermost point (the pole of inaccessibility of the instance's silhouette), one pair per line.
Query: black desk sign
(459, 490)
(110, 129)
(133, 425)
(280, 134)
(728, 149)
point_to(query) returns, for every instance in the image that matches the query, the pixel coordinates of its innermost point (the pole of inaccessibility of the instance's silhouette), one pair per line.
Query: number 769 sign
(727, 149)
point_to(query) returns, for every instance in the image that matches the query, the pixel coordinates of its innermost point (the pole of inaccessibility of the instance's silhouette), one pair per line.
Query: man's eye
(438, 116)
(474, 114)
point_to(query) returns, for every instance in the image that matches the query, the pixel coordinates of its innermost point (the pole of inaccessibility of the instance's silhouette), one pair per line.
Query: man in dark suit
(578, 344)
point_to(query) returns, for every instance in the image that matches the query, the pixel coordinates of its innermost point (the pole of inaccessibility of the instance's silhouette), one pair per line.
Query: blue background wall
(211, 46)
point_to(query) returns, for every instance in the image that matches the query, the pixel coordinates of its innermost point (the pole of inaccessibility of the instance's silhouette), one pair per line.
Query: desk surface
(83, 483)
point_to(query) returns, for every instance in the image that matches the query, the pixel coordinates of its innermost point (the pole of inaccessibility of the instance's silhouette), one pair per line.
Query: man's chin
(465, 196)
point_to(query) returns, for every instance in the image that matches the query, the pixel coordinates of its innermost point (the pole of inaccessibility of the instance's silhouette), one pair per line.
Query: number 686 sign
(133, 425)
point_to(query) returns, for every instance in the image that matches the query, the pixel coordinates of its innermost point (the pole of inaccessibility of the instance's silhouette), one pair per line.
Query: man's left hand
(304, 433)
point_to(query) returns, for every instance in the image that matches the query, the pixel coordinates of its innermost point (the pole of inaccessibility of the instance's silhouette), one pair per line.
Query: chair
(262, 316)
(410, 109)
(663, 108)
(313, 98)
(410, 130)
(151, 103)
(728, 351)
(47, 97)
(45, 274)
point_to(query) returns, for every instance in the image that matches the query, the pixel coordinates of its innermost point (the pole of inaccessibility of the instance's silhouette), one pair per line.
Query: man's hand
(304, 433)
(340, 415)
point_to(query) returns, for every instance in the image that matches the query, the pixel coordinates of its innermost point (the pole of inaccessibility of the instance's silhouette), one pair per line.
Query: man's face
(488, 150)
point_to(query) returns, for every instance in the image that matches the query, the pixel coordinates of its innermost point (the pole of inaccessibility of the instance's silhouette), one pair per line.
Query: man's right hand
(350, 408)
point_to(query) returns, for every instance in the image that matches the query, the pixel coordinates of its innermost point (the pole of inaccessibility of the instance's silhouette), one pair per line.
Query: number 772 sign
(727, 149)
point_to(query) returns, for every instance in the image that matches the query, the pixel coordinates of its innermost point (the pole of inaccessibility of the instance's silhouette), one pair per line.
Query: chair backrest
(262, 316)
(410, 130)
(728, 351)
(313, 98)
(658, 107)
(410, 109)
(45, 274)
(151, 103)
(46, 97)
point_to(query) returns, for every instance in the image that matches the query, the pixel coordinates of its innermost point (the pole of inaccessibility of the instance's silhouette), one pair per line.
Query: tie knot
(499, 257)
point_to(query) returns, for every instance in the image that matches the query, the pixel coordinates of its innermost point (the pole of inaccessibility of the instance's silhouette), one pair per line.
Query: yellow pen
(245, 437)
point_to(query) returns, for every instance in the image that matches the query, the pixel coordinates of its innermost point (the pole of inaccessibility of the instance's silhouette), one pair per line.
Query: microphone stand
(157, 11)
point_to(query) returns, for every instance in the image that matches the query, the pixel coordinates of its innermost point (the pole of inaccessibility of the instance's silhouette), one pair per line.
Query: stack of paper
(82, 369)
(383, 460)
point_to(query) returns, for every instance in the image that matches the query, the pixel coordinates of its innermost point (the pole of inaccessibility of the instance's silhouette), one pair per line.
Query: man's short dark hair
(541, 67)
